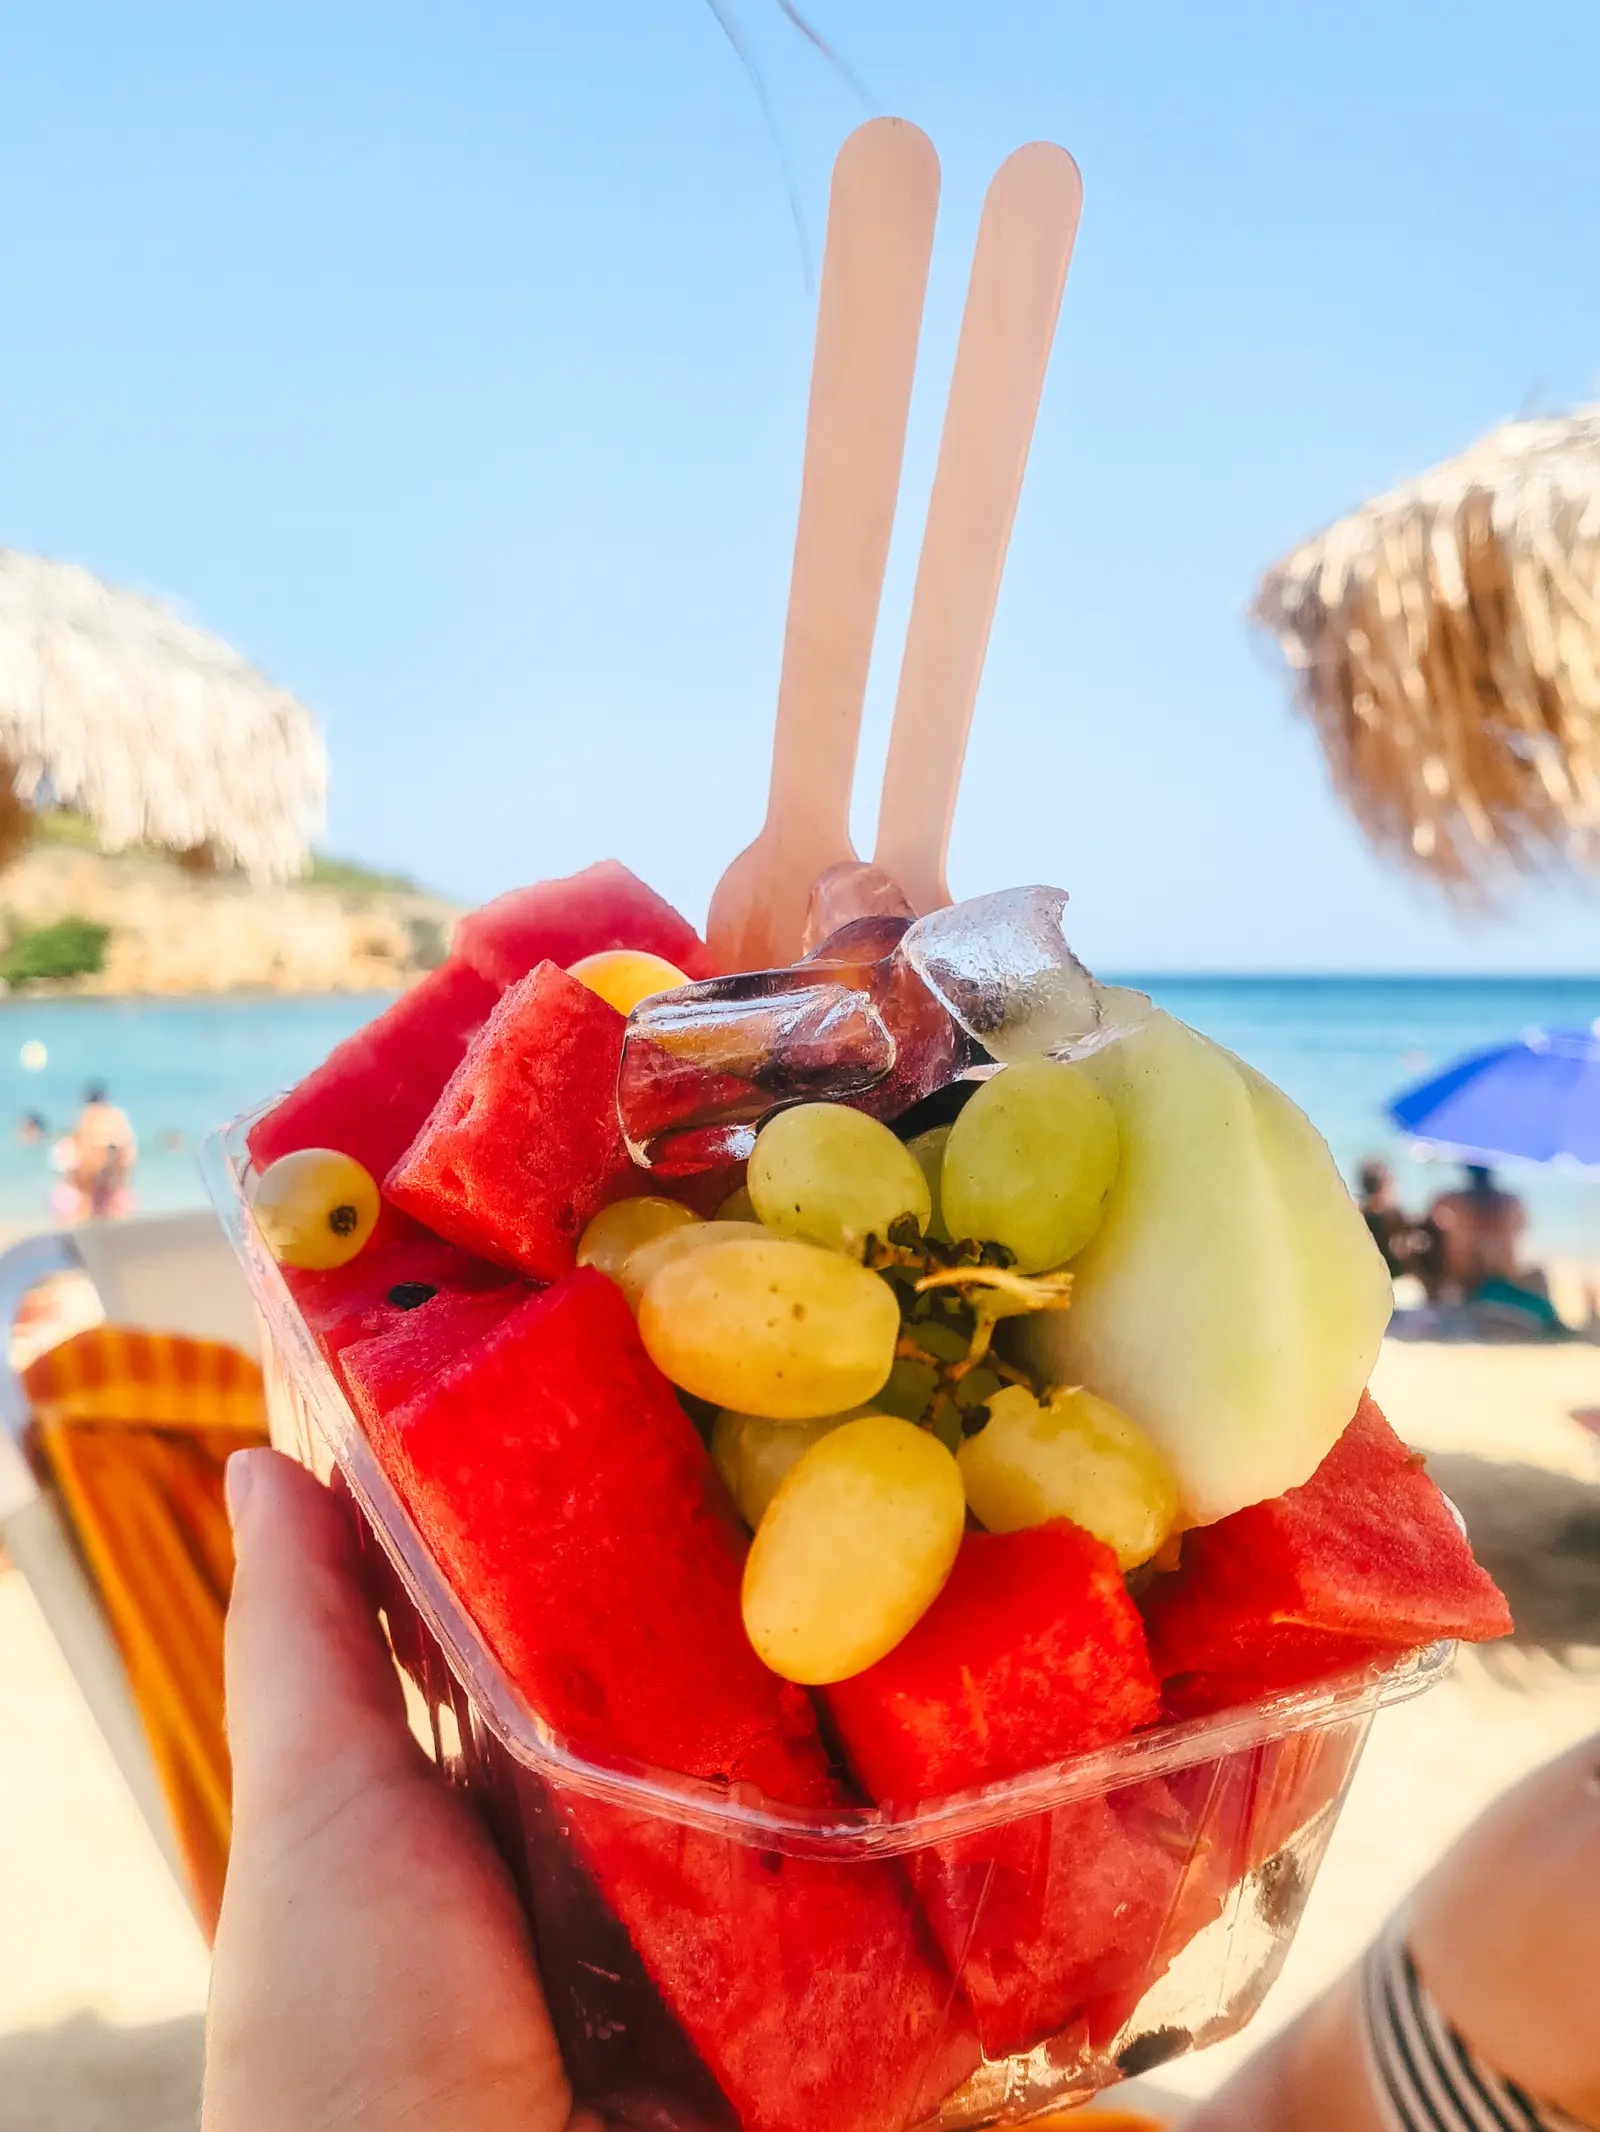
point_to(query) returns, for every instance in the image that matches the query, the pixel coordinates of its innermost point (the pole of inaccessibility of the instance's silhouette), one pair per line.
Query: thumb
(314, 1705)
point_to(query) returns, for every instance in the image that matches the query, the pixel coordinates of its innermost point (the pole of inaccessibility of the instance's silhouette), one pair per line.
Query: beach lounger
(111, 1452)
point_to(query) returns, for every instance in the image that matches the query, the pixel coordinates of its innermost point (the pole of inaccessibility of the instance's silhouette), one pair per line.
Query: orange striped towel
(158, 1380)
(136, 1428)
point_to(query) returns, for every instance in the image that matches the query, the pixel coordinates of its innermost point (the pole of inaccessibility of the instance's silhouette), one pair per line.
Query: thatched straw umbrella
(1446, 641)
(113, 706)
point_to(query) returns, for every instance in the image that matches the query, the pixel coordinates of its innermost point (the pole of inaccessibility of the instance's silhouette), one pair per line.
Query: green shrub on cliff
(72, 947)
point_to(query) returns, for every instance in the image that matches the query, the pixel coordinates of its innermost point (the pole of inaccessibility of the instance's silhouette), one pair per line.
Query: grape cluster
(842, 1323)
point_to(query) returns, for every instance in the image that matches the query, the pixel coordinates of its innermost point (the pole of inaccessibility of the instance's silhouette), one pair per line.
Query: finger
(313, 1699)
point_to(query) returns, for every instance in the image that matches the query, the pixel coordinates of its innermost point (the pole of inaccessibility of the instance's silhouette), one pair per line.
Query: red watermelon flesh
(1032, 1652)
(1217, 1822)
(603, 907)
(524, 1145)
(1046, 1917)
(342, 1305)
(372, 1092)
(429, 1332)
(1365, 1560)
(576, 1514)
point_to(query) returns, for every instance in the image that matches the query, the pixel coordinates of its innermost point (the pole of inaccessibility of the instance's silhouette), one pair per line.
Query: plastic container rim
(839, 1833)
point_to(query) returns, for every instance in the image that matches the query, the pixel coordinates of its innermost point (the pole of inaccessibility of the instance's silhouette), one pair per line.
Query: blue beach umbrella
(1537, 1100)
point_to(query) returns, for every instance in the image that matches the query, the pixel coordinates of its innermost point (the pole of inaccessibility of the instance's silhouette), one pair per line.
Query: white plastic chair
(158, 1273)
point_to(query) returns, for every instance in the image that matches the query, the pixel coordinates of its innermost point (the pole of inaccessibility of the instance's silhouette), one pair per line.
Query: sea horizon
(1341, 1044)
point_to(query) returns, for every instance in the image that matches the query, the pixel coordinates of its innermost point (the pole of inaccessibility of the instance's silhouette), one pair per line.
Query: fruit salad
(899, 1426)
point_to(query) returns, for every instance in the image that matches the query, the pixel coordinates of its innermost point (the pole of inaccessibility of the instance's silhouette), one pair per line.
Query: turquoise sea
(1339, 1045)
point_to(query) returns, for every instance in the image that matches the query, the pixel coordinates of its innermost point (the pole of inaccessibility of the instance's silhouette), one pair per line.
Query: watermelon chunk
(430, 1331)
(576, 1513)
(1362, 1562)
(1032, 1652)
(524, 1145)
(343, 1305)
(1218, 1822)
(371, 1093)
(603, 907)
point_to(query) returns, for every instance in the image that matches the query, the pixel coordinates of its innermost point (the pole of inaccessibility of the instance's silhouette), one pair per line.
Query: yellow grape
(833, 1176)
(642, 1263)
(1073, 1456)
(753, 1454)
(624, 976)
(769, 1327)
(314, 1208)
(617, 1231)
(855, 1547)
(1030, 1163)
(738, 1206)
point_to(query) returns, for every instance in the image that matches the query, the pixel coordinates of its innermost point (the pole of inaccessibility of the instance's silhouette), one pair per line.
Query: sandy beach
(102, 1976)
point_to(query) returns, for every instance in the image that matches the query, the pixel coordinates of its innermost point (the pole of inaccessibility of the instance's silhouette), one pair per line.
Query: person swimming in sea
(96, 1160)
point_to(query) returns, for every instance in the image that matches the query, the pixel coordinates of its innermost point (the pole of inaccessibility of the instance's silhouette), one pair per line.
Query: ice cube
(703, 1065)
(930, 1049)
(1002, 967)
(852, 889)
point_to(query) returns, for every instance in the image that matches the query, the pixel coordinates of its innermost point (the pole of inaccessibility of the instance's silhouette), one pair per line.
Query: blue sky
(452, 362)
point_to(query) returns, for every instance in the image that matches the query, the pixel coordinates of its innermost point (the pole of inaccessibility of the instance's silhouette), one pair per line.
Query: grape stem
(984, 1283)
(950, 1374)
(1038, 1291)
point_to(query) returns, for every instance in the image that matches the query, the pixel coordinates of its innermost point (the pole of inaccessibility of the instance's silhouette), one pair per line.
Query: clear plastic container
(1034, 1941)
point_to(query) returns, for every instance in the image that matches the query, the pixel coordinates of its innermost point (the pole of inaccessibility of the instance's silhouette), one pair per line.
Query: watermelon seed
(1280, 1891)
(1146, 2052)
(411, 1295)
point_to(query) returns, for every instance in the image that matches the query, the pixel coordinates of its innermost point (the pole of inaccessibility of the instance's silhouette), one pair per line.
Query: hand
(372, 1970)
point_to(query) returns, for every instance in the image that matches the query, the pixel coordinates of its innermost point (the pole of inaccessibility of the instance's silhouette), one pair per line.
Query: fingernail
(236, 1478)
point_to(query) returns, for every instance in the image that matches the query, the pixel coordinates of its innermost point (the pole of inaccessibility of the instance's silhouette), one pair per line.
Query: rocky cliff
(174, 931)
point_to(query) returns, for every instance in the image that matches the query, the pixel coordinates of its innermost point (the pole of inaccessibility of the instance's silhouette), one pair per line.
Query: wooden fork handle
(1025, 238)
(881, 214)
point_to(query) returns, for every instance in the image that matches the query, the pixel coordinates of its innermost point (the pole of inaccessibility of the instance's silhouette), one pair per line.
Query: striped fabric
(135, 1428)
(1425, 2077)
(158, 1380)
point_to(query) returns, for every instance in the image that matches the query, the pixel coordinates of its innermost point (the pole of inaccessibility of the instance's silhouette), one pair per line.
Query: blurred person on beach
(96, 1160)
(1479, 1229)
(1408, 1246)
(373, 1969)
(31, 1128)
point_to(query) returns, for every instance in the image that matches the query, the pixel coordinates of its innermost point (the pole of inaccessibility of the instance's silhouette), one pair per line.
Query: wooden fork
(881, 213)
(1019, 270)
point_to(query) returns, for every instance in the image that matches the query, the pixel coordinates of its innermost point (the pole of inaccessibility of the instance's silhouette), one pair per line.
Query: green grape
(754, 1454)
(909, 1389)
(617, 1231)
(1030, 1162)
(833, 1176)
(855, 1547)
(769, 1326)
(1072, 1456)
(942, 1341)
(315, 1208)
(977, 1388)
(928, 1148)
(643, 1261)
